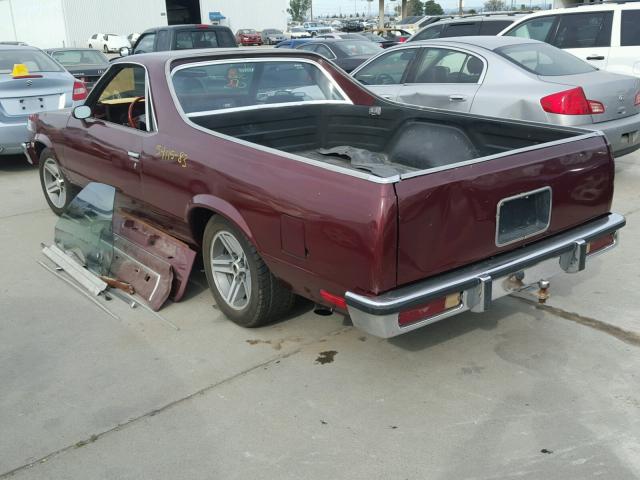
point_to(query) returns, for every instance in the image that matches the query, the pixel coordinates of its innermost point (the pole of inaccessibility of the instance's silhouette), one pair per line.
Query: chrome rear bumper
(484, 281)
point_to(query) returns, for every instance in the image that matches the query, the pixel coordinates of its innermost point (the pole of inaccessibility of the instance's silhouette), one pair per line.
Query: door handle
(457, 98)
(134, 156)
(595, 57)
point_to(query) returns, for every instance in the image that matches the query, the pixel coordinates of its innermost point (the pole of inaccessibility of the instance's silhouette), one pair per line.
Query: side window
(94, 36)
(309, 47)
(163, 41)
(461, 29)
(439, 65)
(111, 102)
(429, 32)
(105, 37)
(493, 27)
(536, 28)
(325, 52)
(145, 44)
(389, 69)
(630, 34)
(584, 30)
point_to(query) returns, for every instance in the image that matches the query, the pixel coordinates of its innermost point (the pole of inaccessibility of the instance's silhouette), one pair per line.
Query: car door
(586, 35)
(106, 147)
(444, 78)
(386, 73)
(625, 58)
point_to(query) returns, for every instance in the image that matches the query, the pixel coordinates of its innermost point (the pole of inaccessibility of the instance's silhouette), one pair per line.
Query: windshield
(543, 59)
(69, 58)
(35, 60)
(204, 89)
(356, 48)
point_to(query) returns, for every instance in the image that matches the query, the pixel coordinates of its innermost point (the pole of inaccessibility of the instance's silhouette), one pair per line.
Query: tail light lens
(335, 300)
(600, 243)
(636, 102)
(79, 91)
(431, 309)
(571, 102)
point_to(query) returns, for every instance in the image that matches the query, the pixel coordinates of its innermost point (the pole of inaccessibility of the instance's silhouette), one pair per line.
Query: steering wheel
(132, 120)
(384, 79)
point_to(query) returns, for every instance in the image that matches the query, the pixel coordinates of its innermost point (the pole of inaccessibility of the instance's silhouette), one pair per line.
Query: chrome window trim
(147, 91)
(520, 195)
(346, 101)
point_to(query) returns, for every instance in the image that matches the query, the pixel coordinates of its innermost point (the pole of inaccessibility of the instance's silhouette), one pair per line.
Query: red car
(291, 178)
(248, 36)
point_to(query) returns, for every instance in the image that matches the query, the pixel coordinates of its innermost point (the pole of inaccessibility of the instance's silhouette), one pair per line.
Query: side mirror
(81, 112)
(125, 51)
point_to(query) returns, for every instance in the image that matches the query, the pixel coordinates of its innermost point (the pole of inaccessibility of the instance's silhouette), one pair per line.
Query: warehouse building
(70, 23)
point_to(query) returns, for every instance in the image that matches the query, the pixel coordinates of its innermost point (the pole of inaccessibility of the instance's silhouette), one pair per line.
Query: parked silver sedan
(31, 82)
(512, 78)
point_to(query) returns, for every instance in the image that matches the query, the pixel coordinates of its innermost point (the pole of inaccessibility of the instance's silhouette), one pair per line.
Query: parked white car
(297, 32)
(606, 35)
(108, 42)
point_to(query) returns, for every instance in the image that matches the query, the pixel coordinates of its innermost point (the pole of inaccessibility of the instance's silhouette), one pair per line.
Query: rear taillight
(335, 300)
(571, 102)
(79, 91)
(636, 102)
(601, 243)
(431, 309)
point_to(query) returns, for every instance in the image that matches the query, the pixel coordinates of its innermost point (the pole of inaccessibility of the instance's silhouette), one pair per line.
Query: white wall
(256, 14)
(6, 21)
(86, 17)
(38, 22)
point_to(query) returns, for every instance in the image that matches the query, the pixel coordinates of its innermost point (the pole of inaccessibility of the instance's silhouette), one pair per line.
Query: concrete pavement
(517, 392)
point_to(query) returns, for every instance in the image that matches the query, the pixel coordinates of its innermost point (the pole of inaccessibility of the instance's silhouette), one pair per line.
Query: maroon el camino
(291, 178)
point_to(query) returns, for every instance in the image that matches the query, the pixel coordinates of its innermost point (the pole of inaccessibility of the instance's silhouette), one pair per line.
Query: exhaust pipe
(322, 310)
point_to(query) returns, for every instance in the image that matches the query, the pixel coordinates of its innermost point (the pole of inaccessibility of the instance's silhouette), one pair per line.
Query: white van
(607, 35)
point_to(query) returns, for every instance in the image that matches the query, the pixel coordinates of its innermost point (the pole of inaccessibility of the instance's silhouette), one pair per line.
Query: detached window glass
(543, 59)
(584, 30)
(204, 89)
(35, 61)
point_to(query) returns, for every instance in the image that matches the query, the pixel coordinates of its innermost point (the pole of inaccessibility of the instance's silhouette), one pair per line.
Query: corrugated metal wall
(86, 17)
(37, 22)
(256, 14)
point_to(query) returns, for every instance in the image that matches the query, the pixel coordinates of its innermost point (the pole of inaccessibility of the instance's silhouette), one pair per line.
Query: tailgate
(449, 218)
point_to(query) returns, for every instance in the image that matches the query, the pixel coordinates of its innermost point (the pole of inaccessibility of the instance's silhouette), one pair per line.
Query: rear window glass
(543, 59)
(204, 89)
(357, 47)
(70, 58)
(630, 34)
(584, 30)
(494, 27)
(461, 29)
(35, 61)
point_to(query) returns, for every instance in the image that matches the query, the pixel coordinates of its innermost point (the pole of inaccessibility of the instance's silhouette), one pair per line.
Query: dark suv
(184, 37)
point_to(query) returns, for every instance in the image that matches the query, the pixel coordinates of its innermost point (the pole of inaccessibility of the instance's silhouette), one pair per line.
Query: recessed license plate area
(523, 216)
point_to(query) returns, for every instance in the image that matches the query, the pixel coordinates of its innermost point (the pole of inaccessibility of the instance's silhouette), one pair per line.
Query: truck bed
(386, 141)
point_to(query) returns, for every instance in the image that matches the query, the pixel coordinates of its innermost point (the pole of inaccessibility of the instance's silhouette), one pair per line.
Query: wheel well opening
(39, 147)
(198, 220)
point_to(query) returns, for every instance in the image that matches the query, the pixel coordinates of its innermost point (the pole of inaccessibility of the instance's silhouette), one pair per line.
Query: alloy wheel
(231, 270)
(54, 183)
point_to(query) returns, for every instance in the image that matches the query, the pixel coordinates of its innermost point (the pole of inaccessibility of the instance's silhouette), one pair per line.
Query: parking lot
(518, 392)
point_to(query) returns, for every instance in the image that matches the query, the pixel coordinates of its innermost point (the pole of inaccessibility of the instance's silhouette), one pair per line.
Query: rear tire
(242, 285)
(58, 190)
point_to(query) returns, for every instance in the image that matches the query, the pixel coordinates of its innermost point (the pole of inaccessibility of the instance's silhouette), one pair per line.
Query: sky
(323, 7)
